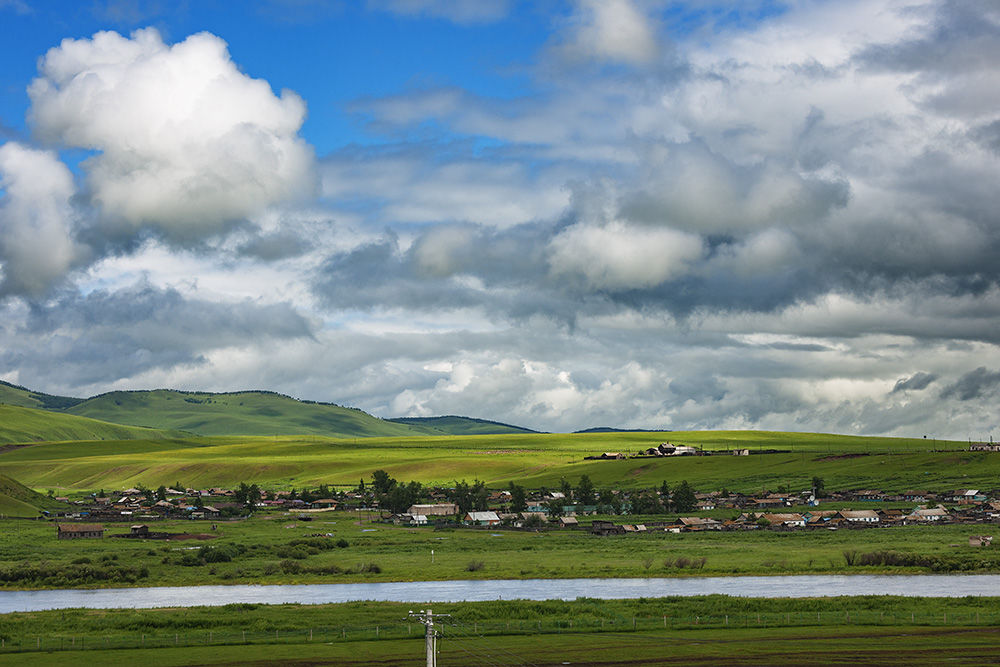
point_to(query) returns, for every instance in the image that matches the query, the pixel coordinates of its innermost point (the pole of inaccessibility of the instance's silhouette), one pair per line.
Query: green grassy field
(27, 425)
(282, 550)
(707, 630)
(17, 500)
(533, 460)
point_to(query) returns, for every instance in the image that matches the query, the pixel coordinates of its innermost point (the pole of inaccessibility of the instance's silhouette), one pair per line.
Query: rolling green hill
(238, 413)
(21, 425)
(18, 500)
(534, 460)
(234, 413)
(12, 394)
(452, 425)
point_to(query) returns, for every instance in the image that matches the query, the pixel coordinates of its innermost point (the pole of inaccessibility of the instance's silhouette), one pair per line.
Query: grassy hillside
(238, 413)
(892, 464)
(12, 394)
(19, 425)
(452, 425)
(18, 500)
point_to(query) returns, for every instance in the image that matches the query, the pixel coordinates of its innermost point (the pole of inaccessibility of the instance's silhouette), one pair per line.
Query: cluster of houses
(133, 504)
(770, 510)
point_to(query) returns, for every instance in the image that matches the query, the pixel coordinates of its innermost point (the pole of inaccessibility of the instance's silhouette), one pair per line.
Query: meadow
(337, 548)
(674, 630)
(532, 460)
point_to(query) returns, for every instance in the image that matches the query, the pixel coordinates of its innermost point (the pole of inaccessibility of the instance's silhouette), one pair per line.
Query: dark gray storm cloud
(105, 336)
(972, 385)
(915, 382)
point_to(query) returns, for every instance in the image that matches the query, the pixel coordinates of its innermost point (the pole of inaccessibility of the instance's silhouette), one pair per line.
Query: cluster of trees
(646, 501)
(393, 495)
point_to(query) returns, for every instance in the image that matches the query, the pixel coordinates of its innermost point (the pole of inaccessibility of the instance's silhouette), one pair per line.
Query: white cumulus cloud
(611, 30)
(36, 220)
(184, 141)
(620, 256)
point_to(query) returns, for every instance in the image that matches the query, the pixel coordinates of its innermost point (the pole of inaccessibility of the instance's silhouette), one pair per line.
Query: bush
(217, 554)
(368, 567)
(475, 566)
(342, 543)
(190, 560)
(290, 567)
(81, 561)
(298, 552)
(315, 544)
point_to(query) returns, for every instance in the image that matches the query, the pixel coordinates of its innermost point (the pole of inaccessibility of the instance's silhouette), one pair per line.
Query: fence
(79, 641)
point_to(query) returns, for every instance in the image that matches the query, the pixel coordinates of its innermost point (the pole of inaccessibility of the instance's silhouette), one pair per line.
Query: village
(517, 508)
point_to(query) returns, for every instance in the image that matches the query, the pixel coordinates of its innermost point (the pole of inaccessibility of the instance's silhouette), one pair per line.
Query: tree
(567, 491)
(471, 498)
(684, 499)
(397, 500)
(518, 498)
(818, 487)
(382, 482)
(480, 496)
(555, 507)
(606, 502)
(585, 491)
(665, 496)
(161, 492)
(646, 502)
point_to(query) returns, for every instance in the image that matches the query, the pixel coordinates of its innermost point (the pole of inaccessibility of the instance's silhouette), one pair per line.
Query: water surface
(517, 589)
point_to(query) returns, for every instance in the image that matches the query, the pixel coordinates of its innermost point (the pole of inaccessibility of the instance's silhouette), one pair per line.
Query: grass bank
(887, 630)
(336, 548)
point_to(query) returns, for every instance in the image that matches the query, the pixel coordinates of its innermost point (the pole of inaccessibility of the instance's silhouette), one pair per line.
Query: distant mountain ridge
(13, 394)
(455, 425)
(610, 429)
(250, 412)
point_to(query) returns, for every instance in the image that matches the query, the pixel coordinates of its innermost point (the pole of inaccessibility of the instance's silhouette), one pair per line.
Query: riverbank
(671, 630)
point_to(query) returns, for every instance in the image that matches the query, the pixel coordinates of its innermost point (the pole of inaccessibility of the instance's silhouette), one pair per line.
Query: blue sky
(560, 214)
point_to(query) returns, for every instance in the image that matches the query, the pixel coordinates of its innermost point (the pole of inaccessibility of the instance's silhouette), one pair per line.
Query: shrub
(290, 567)
(475, 566)
(342, 543)
(217, 554)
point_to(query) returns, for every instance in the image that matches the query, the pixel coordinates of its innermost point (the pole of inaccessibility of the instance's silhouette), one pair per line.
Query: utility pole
(430, 641)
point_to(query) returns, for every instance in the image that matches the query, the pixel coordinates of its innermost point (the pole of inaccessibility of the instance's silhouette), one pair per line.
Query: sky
(559, 214)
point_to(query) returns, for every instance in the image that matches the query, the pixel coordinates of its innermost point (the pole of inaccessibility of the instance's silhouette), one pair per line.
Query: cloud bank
(681, 217)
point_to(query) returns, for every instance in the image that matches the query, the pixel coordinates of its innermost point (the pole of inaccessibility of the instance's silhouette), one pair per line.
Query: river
(524, 589)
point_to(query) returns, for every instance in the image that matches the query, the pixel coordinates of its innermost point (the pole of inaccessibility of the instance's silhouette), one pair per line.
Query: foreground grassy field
(707, 630)
(283, 550)
(533, 460)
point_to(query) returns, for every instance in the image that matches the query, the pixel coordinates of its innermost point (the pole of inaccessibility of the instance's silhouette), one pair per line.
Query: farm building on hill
(74, 531)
